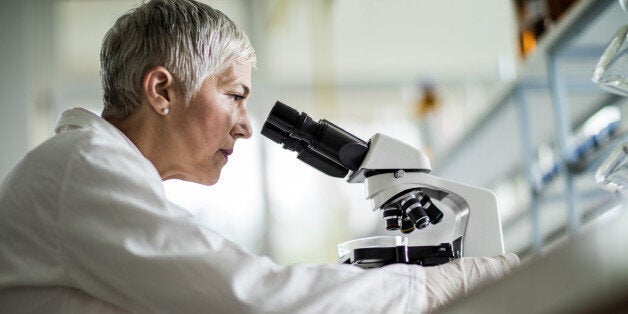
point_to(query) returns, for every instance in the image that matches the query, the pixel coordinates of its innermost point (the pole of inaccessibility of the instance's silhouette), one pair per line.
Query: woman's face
(206, 131)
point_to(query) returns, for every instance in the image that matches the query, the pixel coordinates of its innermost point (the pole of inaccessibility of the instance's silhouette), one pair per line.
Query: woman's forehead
(236, 73)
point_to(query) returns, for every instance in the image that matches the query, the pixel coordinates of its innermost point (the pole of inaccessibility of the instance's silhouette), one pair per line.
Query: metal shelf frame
(572, 28)
(544, 73)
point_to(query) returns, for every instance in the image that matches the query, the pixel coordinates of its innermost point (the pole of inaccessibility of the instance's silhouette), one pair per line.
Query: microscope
(455, 219)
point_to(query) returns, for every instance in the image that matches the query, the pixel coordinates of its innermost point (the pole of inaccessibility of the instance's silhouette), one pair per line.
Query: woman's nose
(242, 128)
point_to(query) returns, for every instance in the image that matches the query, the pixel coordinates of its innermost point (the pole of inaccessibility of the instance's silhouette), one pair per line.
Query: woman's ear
(159, 89)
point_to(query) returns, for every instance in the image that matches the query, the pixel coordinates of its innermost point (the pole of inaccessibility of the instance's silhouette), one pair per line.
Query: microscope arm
(476, 207)
(483, 235)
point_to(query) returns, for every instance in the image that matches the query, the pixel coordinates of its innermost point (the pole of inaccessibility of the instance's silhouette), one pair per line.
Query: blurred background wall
(440, 75)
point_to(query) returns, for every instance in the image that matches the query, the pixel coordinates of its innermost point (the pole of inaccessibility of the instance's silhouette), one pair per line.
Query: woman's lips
(226, 152)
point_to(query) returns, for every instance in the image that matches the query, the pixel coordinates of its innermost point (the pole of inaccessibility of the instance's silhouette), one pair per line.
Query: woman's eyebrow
(246, 89)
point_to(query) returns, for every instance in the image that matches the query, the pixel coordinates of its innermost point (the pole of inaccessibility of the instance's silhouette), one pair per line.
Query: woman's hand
(452, 280)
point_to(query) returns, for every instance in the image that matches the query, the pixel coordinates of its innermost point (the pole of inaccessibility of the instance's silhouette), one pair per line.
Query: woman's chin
(208, 180)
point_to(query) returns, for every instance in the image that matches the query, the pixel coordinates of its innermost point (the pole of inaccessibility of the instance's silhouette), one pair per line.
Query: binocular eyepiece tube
(321, 144)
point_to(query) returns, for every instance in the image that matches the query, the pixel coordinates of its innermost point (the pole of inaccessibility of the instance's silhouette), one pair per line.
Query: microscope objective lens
(422, 222)
(412, 208)
(406, 225)
(392, 217)
(435, 214)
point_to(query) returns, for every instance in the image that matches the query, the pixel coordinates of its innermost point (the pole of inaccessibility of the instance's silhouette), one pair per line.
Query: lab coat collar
(83, 118)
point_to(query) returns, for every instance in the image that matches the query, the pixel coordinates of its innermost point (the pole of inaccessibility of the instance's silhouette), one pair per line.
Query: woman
(85, 224)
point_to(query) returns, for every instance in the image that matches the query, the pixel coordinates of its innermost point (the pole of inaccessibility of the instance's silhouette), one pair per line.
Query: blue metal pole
(562, 124)
(528, 152)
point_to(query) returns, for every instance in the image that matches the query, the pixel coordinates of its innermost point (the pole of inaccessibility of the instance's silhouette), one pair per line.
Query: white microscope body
(473, 210)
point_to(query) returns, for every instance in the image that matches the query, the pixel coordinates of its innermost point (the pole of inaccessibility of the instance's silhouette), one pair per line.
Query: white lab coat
(85, 227)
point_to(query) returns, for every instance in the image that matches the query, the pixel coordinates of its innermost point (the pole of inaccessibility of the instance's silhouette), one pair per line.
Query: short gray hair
(191, 40)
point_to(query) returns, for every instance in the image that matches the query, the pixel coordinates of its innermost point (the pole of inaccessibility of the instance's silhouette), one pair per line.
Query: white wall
(25, 66)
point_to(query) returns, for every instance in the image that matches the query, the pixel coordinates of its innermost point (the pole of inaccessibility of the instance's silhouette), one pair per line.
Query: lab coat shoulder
(102, 167)
(29, 197)
(37, 176)
(116, 224)
(29, 212)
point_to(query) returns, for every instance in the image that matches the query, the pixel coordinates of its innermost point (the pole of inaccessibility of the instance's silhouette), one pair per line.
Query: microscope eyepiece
(324, 142)
(279, 136)
(305, 154)
(274, 133)
(284, 117)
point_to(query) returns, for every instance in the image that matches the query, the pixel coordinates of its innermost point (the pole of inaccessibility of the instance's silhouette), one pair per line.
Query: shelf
(491, 146)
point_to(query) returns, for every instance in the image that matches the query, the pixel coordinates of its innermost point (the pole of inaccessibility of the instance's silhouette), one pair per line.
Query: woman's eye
(236, 97)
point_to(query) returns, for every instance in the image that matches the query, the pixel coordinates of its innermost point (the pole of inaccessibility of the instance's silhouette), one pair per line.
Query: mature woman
(85, 226)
